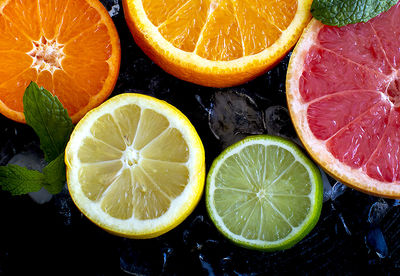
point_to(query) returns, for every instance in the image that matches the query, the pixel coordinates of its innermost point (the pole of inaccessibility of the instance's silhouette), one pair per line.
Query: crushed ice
(114, 9)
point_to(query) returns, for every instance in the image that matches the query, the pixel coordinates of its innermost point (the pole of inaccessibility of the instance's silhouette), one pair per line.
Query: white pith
(47, 55)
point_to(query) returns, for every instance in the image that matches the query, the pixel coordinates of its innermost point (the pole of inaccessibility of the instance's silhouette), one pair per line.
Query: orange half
(216, 43)
(71, 48)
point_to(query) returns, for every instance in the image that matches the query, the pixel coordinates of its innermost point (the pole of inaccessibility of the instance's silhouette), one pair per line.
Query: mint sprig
(47, 116)
(51, 122)
(344, 12)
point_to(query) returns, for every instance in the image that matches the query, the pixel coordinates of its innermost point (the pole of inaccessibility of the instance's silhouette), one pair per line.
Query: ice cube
(64, 205)
(378, 211)
(206, 265)
(277, 121)
(112, 7)
(337, 190)
(375, 241)
(233, 116)
(327, 185)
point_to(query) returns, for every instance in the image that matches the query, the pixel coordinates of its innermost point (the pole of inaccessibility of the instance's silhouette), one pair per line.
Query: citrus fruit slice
(216, 42)
(135, 166)
(264, 193)
(70, 48)
(343, 92)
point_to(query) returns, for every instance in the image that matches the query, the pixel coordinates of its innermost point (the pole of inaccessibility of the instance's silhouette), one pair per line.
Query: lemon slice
(264, 193)
(135, 166)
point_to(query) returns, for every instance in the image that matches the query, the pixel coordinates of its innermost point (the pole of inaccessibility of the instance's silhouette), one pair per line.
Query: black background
(56, 239)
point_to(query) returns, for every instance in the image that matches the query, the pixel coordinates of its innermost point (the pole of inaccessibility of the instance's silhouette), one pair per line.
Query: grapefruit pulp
(343, 92)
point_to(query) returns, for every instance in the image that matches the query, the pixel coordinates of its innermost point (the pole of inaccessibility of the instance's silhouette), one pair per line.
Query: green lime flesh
(264, 193)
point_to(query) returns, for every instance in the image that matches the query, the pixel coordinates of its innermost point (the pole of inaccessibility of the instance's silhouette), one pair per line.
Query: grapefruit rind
(190, 67)
(316, 195)
(354, 178)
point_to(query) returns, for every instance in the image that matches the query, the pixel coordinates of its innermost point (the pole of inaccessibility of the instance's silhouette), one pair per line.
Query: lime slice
(264, 193)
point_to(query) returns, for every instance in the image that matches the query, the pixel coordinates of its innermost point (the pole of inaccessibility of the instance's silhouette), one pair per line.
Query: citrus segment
(263, 193)
(106, 130)
(257, 30)
(78, 17)
(316, 81)
(359, 51)
(24, 16)
(97, 178)
(216, 42)
(169, 146)
(279, 13)
(135, 166)
(152, 124)
(322, 113)
(354, 144)
(183, 28)
(384, 161)
(116, 202)
(12, 38)
(221, 38)
(386, 28)
(344, 96)
(94, 151)
(171, 176)
(51, 14)
(71, 48)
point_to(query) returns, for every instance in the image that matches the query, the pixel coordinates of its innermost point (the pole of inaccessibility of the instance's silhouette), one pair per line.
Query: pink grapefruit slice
(343, 92)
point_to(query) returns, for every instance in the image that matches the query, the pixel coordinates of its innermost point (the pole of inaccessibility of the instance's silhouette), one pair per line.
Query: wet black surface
(56, 239)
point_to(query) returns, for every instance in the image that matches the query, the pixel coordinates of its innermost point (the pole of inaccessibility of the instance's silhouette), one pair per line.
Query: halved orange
(216, 43)
(343, 92)
(71, 48)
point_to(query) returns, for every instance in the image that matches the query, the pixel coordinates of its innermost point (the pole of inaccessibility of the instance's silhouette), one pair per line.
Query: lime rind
(316, 195)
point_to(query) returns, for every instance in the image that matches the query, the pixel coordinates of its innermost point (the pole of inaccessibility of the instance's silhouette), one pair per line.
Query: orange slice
(216, 42)
(343, 91)
(71, 48)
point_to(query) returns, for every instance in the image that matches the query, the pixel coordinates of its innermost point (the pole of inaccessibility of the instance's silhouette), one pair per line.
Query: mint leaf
(54, 174)
(18, 180)
(343, 12)
(46, 115)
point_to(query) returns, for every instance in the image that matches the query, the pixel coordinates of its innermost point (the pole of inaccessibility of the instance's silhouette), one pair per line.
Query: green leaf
(343, 12)
(18, 180)
(46, 115)
(55, 175)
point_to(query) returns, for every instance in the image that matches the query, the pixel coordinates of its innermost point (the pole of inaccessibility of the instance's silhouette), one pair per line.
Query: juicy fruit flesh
(133, 163)
(62, 45)
(262, 193)
(350, 83)
(221, 29)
